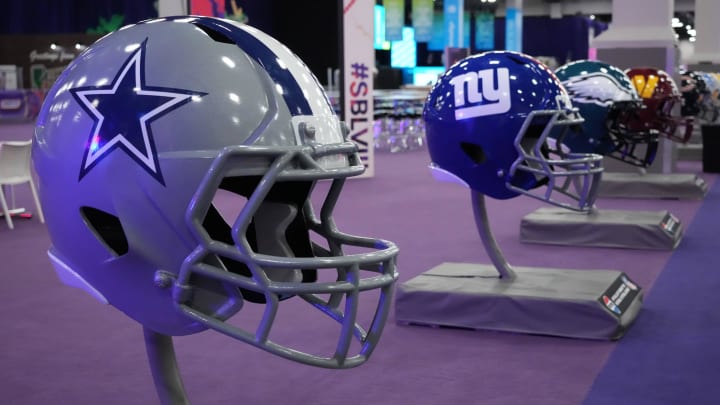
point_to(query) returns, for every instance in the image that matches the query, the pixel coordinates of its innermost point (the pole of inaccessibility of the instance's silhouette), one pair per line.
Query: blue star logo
(122, 113)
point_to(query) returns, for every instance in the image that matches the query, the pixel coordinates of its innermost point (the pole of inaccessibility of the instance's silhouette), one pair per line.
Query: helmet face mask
(487, 123)
(157, 137)
(610, 105)
(662, 99)
(573, 175)
(282, 261)
(635, 147)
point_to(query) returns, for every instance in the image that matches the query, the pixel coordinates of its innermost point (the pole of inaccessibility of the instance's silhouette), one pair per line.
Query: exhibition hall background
(61, 347)
(311, 31)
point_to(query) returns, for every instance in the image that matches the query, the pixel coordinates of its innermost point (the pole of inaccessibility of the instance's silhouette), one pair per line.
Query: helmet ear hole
(474, 152)
(106, 228)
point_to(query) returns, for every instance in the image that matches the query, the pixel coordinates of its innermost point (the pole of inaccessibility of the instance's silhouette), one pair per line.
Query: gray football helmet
(139, 136)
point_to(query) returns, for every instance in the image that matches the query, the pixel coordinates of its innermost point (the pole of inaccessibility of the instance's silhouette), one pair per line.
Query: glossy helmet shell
(135, 140)
(661, 98)
(608, 102)
(487, 119)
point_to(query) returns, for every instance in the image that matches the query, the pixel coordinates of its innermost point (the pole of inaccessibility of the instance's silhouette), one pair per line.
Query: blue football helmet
(135, 144)
(487, 124)
(610, 105)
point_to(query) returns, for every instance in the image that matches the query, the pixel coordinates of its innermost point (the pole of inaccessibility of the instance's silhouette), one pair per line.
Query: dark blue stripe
(256, 49)
(672, 353)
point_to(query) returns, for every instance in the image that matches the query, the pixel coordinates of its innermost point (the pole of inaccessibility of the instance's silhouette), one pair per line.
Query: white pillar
(172, 7)
(707, 43)
(641, 34)
(642, 13)
(639, 24)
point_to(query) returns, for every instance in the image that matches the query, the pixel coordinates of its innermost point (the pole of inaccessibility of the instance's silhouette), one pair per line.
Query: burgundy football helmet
(660, 94)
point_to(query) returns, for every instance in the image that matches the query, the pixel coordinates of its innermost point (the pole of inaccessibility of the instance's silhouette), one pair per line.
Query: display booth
(641, 35)
(621, 126)
(491, 134)
(165, 254)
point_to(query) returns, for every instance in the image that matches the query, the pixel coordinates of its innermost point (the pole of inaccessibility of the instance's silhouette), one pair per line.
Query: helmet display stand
(651, 230)
(163, 365)
(585, 304)
(624, 181)
(658, 181)
(670, 186)
(632, 118)
(177, 231)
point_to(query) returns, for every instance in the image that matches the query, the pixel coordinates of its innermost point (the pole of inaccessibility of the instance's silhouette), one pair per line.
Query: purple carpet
(61, 347)
(671, 355)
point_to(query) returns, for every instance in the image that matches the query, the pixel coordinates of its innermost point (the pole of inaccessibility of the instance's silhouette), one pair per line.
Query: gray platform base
(655, 230)
(584, 304)
(674, 186)
(690, 151)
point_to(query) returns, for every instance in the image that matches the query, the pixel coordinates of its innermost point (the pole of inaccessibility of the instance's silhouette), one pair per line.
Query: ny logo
(495, 97)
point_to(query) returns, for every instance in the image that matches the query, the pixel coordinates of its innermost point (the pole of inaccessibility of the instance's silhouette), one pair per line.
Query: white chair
(15, 169)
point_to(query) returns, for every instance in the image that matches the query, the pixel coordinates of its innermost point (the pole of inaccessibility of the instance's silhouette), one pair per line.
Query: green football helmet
(609, 103)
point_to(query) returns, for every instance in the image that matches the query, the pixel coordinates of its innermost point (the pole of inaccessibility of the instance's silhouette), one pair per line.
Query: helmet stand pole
(491, 246)
(163, 365)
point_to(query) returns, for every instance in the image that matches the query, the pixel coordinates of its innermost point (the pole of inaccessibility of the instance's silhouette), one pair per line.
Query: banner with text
(513, 29)
(453, 15)
(422, 18)
(394, 18)
(358, 65)
(485, 31)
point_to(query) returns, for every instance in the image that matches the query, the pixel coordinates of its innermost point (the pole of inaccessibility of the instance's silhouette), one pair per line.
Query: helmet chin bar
(290, 164)
(682, 124)
(627, 143)
(573, 175)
